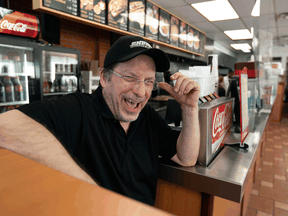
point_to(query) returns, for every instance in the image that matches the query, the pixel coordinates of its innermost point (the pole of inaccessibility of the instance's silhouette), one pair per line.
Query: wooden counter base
(29, 188)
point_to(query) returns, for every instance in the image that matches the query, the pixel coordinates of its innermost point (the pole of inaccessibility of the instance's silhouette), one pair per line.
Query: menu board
(137, 16)
(164, 26)
(152, 21)
(183, 35)
(196, 42)
(118, 13)
(68, 6)
(174, 31)
(190, 38)
(93, 10)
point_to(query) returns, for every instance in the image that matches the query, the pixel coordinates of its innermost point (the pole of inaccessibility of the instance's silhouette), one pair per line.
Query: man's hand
(186, 91)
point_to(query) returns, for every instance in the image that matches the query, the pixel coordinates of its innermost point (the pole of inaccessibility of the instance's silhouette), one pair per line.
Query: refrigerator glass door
(16, 68)
(59, 73)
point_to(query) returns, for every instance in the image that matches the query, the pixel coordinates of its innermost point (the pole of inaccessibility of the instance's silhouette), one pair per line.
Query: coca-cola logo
(19, 24)
(17, 27)
(221, 120)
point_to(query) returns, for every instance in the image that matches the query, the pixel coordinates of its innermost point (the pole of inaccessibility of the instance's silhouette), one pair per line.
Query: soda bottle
(9, 89)
(22, 81)
(55, 85)
(2, 92)
(18, 89)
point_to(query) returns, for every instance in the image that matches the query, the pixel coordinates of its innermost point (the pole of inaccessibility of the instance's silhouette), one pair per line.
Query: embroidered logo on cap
(143, 44)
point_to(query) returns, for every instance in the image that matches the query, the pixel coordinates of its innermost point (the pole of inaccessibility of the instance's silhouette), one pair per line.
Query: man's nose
(139, 89)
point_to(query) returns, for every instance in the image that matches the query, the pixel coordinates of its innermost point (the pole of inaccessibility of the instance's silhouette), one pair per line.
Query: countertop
(227, 175)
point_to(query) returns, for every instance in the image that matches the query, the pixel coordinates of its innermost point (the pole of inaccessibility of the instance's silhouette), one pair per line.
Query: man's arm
(23, 135)
(186, 93)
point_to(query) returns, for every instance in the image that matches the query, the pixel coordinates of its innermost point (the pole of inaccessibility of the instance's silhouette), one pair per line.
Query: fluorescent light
(246, 50)
(256, 9)
(239, 34)
(216, 10)
(241, 46)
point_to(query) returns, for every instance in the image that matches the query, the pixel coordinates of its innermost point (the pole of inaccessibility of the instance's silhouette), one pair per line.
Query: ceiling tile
(243, 7)
(267, 21)
(230, 24)
(266, 7)
(283, 30)
(250, 21)
(170, 3)
(206, 27)
(282, 22)
(281, 6)
(221, 36)
(188, 14)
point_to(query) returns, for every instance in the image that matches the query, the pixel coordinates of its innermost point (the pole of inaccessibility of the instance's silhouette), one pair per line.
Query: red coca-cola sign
(221, 121)
(17, 23)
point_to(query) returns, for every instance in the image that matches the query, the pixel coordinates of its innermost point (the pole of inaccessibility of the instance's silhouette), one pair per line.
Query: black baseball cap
(128, 47)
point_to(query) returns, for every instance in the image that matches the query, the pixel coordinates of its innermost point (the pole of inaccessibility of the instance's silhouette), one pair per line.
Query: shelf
(38, 6)
(14, 103)
(62, 73)
(57, 93)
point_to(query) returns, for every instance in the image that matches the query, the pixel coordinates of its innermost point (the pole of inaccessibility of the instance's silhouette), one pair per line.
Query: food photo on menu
(137, 16)
(164, 26)
(174, 32)
(99, 9)
(118, 13)
(196, 43)
(190, 38)
(183, 35)
(152, 21)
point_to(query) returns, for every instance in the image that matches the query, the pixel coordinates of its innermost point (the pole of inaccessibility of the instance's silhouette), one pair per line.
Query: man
(112, 134)
(226, 79)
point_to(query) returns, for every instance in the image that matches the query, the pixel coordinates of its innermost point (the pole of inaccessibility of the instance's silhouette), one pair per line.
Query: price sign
(244, 118)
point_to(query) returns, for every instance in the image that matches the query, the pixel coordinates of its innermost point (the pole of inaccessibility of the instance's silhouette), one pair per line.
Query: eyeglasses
(149, 84)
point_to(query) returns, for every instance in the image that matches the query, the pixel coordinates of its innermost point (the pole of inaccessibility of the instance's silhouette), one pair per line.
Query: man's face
(125, 99)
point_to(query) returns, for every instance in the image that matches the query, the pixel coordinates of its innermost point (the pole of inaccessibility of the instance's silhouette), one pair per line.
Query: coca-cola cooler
(60, 71)
(215, 118)
(29, 69)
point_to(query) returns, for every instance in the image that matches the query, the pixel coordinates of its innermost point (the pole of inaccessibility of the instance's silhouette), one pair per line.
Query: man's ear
(102, 79)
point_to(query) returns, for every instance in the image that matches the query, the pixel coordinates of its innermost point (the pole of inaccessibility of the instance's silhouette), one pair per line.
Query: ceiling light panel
(256, 9)
(240, 34)
(216, 10)
(241, 46)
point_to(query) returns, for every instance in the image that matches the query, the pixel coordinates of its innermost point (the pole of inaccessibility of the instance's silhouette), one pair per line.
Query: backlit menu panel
(68, 6)
(164, 26)
(152, 21)
(93, 10)
(137, 16)
(118, 13)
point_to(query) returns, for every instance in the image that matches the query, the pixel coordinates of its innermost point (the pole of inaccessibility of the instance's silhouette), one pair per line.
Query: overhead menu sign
(68, 6)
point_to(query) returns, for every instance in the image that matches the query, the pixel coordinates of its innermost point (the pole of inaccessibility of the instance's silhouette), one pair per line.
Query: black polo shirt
(124, 163)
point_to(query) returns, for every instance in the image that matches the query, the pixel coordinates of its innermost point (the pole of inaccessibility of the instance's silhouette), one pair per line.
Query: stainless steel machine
(215, 117)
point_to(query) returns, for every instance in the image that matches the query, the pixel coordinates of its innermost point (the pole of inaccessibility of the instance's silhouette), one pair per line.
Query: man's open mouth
(131, 104)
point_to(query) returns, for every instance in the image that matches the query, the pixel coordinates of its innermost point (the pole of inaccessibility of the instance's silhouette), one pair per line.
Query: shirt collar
(102, 106)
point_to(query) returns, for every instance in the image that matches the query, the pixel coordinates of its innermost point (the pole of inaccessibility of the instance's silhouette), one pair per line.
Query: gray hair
(107, 73)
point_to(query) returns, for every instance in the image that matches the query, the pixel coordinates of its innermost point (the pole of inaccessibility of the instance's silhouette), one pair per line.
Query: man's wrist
(190, 110)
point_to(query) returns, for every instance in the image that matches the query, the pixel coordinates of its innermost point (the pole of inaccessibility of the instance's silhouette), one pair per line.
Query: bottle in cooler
(9, 89)
(18, 89)
(56, 85)
(2, 92)
(23, 83)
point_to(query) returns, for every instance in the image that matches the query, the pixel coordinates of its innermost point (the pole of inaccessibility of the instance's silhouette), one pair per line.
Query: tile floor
(270, 191)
